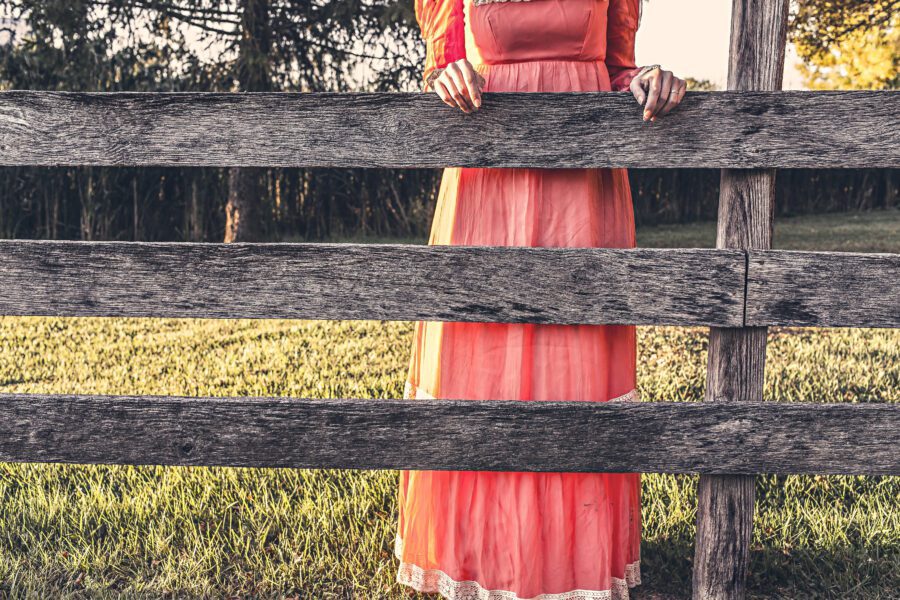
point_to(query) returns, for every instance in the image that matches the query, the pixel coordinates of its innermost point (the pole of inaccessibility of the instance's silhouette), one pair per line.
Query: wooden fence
(738, 289)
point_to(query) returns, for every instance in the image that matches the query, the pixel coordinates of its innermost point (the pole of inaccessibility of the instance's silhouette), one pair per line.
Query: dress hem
(438, 581)
(431, 581)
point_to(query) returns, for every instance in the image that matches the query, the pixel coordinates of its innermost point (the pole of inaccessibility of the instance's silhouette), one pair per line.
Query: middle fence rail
(399, 282)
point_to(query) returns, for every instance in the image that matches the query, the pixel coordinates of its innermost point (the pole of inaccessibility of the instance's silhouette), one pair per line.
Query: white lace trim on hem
(411, 392)
(437, 581)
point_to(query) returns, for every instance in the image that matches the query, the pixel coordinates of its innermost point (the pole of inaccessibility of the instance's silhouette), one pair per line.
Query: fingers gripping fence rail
(738, 289)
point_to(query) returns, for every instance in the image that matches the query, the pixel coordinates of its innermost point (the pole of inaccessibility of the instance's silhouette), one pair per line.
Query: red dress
(491, 535)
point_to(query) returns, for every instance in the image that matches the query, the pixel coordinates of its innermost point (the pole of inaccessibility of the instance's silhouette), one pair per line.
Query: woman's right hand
(460, 86)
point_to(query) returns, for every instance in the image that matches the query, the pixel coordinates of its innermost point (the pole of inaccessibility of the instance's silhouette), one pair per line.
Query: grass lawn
(106, 531)
(873, 231)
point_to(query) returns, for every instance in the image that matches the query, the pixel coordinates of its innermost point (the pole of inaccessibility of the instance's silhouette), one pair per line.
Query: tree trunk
(243, 219)
(244, 213)
(195, 214)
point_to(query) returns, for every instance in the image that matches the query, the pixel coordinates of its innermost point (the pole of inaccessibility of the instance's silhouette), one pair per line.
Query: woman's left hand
(658, 90)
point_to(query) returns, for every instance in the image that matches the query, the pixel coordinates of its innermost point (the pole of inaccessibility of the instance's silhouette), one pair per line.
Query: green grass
(140, 532)
(872, 231)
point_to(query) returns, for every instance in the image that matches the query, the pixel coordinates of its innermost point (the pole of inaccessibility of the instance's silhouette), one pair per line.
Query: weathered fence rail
(716, 130)
(668, 437)
(450, 283)
(823, 289)
(389, 282)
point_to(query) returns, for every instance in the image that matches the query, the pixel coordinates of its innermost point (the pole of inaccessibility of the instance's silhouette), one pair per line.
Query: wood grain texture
(735, 373)
(737, 357)
(859, 129)
(724, 437)
(725, 505)
(746, 209)
(380, 282)
(824, 289)
(757, 44)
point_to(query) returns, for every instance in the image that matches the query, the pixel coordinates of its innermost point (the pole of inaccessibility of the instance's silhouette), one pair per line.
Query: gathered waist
(545, 75)
(536, 61)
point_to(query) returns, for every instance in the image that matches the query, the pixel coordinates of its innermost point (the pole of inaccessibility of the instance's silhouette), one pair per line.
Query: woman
(516, 535)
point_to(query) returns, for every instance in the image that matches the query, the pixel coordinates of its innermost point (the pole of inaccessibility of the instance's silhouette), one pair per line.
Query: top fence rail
(853, 129)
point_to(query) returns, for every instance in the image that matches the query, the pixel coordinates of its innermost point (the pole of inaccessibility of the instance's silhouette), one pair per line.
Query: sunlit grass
(224, 531)
(103, 531)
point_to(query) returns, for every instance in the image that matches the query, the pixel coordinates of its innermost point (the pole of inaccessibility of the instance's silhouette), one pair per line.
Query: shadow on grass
(871, 572)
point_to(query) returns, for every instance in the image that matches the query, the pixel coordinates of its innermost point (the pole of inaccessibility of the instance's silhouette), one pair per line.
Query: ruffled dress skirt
(517, 535)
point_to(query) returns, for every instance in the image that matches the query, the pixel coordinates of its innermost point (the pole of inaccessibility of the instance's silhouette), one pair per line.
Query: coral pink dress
(490, 535)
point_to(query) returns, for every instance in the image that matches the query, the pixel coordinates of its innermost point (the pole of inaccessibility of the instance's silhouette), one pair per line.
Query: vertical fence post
(737, 355)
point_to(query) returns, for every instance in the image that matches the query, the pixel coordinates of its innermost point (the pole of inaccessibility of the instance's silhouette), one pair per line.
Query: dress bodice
(506, 32)
(500, 32)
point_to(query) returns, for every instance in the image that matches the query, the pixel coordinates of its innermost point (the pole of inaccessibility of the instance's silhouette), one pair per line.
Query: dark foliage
(306, 45)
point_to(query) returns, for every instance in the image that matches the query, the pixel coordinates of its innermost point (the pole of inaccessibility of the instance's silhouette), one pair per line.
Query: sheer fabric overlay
(500, 535)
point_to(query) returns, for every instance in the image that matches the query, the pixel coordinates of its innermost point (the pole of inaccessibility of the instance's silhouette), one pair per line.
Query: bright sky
(691, 39)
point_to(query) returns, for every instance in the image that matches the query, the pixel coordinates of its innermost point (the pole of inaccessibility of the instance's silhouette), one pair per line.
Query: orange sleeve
(443, 26)
(621, 28)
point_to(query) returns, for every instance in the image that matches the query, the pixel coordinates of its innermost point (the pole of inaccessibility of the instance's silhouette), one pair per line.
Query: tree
(848, 44)
(265, 45)
(211, 45)
(252, 68)
(700, 85)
